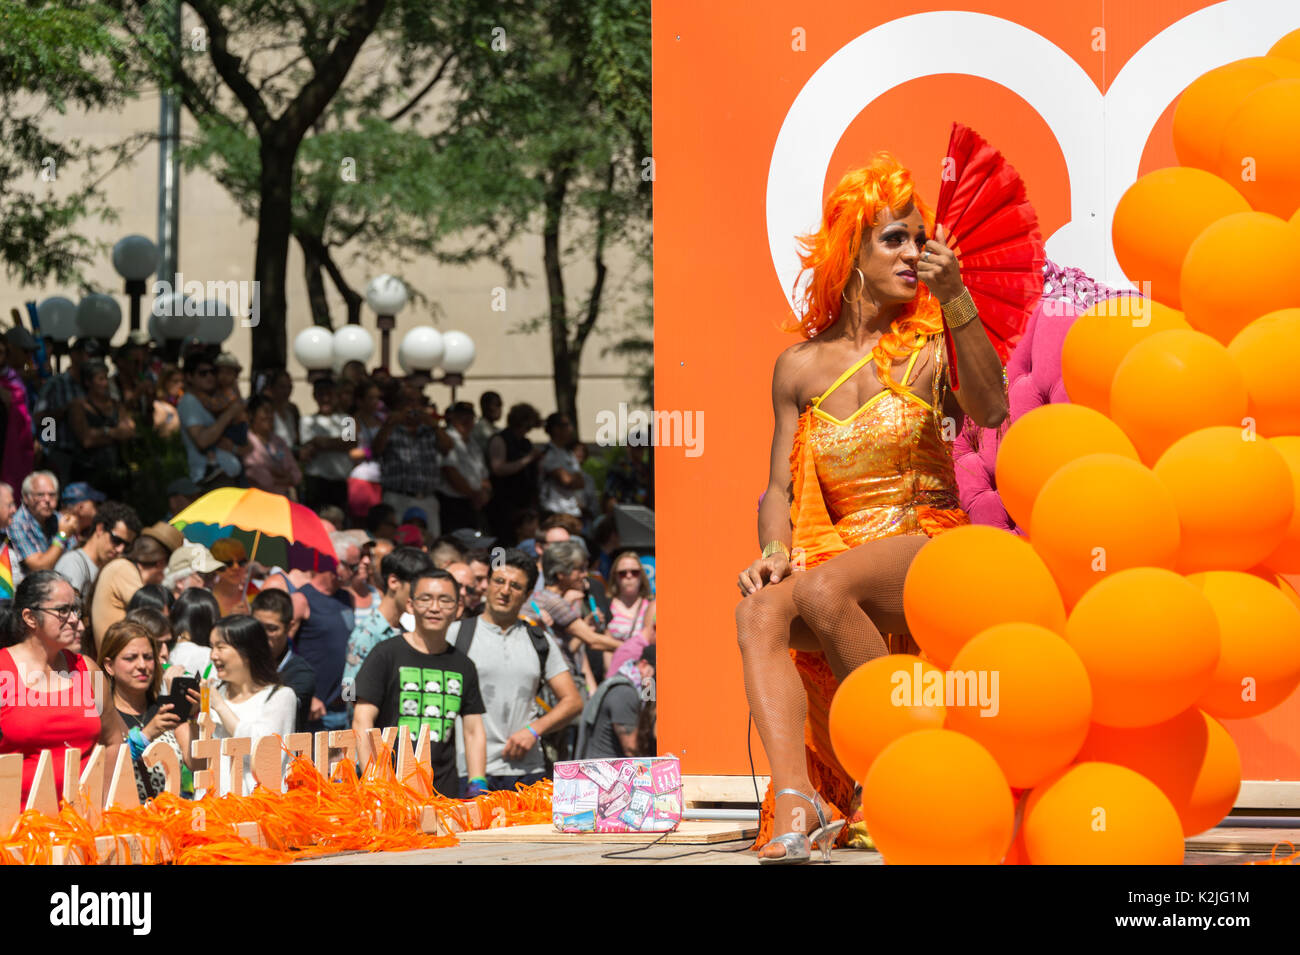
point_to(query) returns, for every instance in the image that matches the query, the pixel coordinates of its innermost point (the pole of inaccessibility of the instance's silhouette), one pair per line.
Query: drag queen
(861, 477)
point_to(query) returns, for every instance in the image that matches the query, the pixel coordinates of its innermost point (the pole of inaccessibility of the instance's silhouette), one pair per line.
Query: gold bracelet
(773, 546)
(960, 310)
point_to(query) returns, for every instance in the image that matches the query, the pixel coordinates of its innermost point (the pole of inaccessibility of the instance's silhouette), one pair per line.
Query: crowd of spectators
(480, 591)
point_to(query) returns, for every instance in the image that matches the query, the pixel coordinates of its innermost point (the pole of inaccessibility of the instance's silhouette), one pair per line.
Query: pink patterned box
(641, 794)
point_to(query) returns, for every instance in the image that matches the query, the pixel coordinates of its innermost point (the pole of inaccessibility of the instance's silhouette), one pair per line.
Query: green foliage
(53, 57)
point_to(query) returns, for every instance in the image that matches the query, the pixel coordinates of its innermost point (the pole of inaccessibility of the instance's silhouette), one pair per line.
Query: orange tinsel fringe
(317, 816)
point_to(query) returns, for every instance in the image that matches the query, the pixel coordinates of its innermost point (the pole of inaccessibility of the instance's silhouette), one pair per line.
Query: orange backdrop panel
(725, 75)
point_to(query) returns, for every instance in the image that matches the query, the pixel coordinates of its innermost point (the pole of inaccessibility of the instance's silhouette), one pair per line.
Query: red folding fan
(994, 231)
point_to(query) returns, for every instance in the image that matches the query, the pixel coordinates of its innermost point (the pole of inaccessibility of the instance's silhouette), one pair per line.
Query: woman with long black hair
(249, 700)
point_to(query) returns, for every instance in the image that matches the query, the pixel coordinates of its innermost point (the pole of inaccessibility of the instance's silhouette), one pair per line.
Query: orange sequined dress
(884, 471)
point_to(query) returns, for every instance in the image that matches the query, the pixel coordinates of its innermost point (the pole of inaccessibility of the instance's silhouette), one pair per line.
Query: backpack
(591, 710)
(536, 633)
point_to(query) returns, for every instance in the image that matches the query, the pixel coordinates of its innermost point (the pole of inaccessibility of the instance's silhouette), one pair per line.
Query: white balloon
(421, 349)
(386, 294)
(215, 324)
(58, 318)
(98, 316)
(352, 343)
(314, 348)
(458, 352)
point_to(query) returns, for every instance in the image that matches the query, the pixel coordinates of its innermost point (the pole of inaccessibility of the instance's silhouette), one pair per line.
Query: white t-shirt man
(510, 677)
(328, 465)
(80, 570)
(465, 459)
(560, 500)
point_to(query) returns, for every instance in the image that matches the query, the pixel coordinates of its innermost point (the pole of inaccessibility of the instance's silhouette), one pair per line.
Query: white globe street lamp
(135, 258)
(314, 348)
(386, 295)
(98, 316)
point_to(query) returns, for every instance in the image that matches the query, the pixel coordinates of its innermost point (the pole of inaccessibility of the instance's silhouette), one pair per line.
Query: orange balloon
(1268, 353)
(1184, 201)
(1026, 699)
(1213, 96)
(879, 702)
(1222, 290)
(970, 578)
(1101, 514)
(1101, 814)
(1259, 663)
(1149, 641)
(1044, 439)
(1191, 757)
(1099, 339)
(936, 797)
(1234, 496)
(1260, 149)
(1172, 384)
(1286, 559)
(1287, 47)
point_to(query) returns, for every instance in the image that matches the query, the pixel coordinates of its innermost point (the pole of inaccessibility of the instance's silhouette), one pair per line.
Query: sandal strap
(813, 800)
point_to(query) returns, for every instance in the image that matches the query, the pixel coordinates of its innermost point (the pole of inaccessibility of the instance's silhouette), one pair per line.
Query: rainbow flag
(6, 573)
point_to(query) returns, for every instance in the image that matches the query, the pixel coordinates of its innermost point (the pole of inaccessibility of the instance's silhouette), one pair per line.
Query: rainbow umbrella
(274, 530)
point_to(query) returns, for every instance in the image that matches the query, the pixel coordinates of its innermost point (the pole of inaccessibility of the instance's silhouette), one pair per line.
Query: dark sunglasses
(629, 573)
(117, 541)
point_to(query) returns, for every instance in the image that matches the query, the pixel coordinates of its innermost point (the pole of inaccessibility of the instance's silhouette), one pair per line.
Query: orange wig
(831, 253)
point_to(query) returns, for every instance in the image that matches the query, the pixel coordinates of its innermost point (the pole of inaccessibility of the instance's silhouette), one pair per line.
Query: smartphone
(177, 698)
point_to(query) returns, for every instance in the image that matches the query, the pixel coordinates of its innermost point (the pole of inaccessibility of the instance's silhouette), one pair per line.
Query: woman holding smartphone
(129, 657)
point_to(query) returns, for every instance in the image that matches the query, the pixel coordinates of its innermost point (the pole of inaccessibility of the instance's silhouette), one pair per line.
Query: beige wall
(217, 244)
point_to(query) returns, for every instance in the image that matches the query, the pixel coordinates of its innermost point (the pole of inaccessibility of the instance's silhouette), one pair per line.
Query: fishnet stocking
(840, 608)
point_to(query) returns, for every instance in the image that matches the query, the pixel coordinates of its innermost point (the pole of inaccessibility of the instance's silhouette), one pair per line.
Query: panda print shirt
(412, 688)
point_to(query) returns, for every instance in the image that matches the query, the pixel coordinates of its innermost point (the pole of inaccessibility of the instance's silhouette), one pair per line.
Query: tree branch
(423, 91)
(229, 66)
(316, 95)
(598, 284)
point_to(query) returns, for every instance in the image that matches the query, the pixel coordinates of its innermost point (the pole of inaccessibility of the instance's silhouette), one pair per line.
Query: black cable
(753, 777)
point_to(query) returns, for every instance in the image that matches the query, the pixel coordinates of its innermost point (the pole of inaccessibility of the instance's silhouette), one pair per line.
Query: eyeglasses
(512, 585)
(64, 612)
(629, 573)
(237, 563)
(351, 567)
(426, 600)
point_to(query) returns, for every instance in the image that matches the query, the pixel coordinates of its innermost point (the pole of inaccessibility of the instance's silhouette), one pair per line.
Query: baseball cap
(139, 338)
(226, 360)
(472, 538)
(164, 534)
(81, 491)
(192, 559)
(408, 535)
(19, 337)
(415, 514)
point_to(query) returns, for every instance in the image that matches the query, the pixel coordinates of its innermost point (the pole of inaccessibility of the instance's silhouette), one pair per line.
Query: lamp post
(386, 295)
(423, 349)
(135, 258)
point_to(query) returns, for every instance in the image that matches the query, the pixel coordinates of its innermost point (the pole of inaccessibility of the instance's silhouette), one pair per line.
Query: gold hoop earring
(862, 279)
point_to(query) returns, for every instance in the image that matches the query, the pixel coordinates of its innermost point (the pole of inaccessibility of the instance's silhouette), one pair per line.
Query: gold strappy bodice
(879, 468)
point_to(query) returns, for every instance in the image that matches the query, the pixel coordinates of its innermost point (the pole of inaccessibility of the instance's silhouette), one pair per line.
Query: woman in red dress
(51, 697)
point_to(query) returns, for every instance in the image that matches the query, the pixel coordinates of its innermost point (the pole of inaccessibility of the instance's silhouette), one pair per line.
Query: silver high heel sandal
(798, 847)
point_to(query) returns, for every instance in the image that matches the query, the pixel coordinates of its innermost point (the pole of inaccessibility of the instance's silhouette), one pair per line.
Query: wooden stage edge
(704, 790)
(691, 832)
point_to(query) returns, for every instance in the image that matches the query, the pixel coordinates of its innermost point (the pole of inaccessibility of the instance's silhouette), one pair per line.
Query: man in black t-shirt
(419, 678)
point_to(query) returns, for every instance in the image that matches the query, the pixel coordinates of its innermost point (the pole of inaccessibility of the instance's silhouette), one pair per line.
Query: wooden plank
(1268, 794)
(122, 791)
(161, 753)
(11, 791)
(698, 790)
(1244, 839)
(235, 748)
(92, 782)
(688, 833)
(43, 796)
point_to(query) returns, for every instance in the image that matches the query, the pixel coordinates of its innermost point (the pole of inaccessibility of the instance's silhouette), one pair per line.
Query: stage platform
(707, 843)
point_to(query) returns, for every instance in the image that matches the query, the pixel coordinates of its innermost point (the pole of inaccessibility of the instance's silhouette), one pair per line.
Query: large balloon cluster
(1066, 708)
